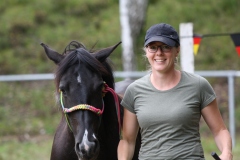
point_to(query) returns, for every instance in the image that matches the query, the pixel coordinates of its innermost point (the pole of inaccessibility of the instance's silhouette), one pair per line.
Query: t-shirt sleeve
(128, 99)
(207, 94)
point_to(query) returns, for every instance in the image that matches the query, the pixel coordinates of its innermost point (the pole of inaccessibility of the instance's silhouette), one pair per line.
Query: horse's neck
(110, 111)
(63, 143)
(108, 132)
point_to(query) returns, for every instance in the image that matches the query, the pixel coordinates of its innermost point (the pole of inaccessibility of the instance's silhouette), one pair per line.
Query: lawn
(25, 148)
(39, 148)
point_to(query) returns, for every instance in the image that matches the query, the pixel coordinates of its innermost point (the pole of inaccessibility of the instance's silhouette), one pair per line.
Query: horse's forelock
(73, 45)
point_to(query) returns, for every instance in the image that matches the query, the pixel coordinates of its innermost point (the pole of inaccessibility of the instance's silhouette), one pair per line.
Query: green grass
(30, 116)
(28, 107)
(39, 148)
(209, 146)
(19, 148)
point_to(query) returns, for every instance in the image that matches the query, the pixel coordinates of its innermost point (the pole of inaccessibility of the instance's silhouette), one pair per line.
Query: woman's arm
(126, 146)
(221, 135)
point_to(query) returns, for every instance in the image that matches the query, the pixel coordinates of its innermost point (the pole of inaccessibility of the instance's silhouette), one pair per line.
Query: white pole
(186, 50)
(231, 107)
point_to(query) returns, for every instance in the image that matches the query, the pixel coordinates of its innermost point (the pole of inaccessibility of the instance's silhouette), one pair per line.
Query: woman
(167, 105)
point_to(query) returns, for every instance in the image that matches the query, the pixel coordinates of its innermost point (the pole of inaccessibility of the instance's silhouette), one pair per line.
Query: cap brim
(165, 40)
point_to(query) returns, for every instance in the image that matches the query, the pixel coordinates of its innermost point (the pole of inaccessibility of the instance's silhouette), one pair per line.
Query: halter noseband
(99, 112)
(80, 107)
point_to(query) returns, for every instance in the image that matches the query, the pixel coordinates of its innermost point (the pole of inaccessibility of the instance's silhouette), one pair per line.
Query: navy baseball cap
(162, 33)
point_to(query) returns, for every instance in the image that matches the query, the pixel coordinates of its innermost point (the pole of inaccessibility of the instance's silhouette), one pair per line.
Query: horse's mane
(75, 53)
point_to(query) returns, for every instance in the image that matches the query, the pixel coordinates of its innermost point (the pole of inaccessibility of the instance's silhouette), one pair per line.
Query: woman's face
(161, 56)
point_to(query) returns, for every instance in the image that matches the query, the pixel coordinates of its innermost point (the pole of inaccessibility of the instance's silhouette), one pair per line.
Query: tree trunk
(132, 18)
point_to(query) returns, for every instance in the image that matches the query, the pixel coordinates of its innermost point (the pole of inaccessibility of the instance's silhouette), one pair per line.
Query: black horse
(90, 127)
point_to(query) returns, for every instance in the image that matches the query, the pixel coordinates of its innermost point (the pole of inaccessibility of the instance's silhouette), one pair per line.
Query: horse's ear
(102, 54)
(52, 55)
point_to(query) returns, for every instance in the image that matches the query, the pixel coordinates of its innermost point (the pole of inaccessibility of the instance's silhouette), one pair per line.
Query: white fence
(229, 74)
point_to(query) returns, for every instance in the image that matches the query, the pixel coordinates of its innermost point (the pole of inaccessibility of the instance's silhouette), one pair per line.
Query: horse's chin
(82, 158)
(87, 157)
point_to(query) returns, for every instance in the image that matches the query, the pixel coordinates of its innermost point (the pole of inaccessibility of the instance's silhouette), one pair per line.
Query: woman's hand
(226, 156)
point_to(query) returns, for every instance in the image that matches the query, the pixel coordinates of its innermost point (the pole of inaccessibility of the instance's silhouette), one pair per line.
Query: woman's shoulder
(139, 83)
(193, 78)
(142, 80)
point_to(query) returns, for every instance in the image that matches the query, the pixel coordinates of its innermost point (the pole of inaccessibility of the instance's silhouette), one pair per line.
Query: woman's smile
(160, 60)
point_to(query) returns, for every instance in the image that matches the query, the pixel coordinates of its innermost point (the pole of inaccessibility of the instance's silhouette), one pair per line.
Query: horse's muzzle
(87, 150)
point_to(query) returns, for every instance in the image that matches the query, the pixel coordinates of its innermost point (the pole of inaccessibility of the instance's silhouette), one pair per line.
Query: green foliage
(25, 24)
(56, 22)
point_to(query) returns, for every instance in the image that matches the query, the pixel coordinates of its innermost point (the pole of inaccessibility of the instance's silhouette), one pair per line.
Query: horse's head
(80, 78)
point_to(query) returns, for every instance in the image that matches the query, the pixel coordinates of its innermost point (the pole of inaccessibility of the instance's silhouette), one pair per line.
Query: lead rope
(107, 88)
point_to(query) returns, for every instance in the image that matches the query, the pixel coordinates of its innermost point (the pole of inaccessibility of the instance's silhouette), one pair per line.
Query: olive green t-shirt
(169, 120)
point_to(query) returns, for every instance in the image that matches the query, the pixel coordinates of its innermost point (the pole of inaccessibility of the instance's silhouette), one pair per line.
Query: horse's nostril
(77, 147)
(82, 149)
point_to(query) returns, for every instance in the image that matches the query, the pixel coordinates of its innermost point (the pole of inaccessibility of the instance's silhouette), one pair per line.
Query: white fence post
(186, 49)
(231, 107)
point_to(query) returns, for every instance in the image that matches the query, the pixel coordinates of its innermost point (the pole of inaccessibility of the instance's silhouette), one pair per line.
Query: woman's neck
(165, 81)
